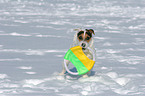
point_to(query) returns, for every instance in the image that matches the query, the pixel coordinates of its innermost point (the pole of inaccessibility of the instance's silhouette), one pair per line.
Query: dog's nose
(83, 45)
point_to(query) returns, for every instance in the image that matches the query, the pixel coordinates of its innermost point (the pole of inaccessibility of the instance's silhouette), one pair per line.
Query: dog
(84, 39)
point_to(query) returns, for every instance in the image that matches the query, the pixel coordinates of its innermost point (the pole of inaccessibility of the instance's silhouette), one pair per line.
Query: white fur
(88, 53)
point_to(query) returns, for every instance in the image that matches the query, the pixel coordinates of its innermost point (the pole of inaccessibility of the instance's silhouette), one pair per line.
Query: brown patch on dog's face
(87, 36)
(80, 35)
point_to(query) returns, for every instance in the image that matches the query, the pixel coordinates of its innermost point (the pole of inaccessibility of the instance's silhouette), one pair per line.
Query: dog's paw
(62, 73)
(85, 76)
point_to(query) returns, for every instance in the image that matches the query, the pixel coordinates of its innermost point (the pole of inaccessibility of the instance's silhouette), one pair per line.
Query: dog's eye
(81, 38)
(87, 38)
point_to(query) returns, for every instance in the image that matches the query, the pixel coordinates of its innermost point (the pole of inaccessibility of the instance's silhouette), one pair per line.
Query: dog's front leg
(63, 67)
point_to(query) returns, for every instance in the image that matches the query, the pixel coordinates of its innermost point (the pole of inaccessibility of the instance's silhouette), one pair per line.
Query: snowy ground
(35, 34)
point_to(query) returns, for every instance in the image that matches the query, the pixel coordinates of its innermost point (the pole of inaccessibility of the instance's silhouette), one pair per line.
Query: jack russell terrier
(84, 39)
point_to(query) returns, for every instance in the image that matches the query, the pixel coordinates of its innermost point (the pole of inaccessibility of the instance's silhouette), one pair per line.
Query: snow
(3, 76)
(36, 34)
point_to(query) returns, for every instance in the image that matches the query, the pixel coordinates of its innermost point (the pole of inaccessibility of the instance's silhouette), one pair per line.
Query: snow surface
(35, 34)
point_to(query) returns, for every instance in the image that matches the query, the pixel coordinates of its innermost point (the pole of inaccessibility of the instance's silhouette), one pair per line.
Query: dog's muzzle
(84, 45)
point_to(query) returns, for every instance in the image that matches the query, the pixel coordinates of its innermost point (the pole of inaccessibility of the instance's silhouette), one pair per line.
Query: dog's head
(84, 37)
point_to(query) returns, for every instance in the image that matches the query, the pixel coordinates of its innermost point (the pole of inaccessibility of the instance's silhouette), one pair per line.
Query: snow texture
(35, 34)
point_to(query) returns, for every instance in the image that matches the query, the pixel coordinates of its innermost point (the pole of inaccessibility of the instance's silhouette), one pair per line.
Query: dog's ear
(90, 30)
(78, 29)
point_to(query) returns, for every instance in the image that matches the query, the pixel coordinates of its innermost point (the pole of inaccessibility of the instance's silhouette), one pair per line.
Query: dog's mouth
(83, 48)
